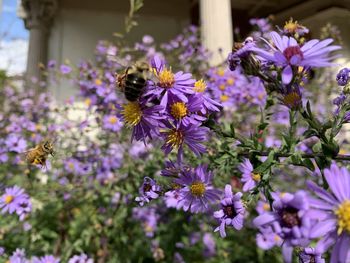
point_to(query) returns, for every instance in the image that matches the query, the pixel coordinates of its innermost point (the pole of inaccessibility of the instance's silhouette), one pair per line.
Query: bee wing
(121, 62)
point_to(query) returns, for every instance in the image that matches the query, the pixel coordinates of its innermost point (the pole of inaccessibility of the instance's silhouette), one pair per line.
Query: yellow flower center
(220, 72)
(175, 138)
(200, 86)
(343, 214)
(166, 78)
(197, 189)
(71, 165)
(224, 98)
(230, 81)
(266, 207)
(113, 120)
(132, 113)
(256, 177)
(222, 87)
(291, 26)
(178, 110)
(87, 102)
(148, 228)
(98, 82)
(276, 238)
(292, 99)
(9, 199)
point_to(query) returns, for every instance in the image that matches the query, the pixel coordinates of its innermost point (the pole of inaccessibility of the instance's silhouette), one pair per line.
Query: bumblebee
(133, 81)
(39, 154)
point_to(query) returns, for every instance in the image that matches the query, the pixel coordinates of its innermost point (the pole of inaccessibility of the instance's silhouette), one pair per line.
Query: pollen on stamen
(178, 110)
(343, 216)
(197, 189)
(166, 78)
(200, 86)
(9, 199)
(175, 138)
(132, 113)
(113, 120)
(224, 98)
(256, 177)
(292, 100)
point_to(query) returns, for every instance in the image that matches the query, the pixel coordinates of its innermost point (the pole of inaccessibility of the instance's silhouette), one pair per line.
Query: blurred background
(36, 31)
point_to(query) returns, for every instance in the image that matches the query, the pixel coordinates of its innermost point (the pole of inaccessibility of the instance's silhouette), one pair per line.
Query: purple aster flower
(172, 198)
(292, 28)
(15, 200)
(197, 192)
(111, 122)
(209, 245)
(231, 212)
(65, 69)
(148, 218)
(241, 53)
(178, 85)
(82, 258)
(310, 255)
(51, 64)
(332, 211)
(176, 137)
(139, 149)
(186, 112)
(286, 52)
(249, 178)
(16, 143)
(343, 77)
(144, 120)
(172, 169)
(267, 238)
(45, 259)
(209, 105)
(18, 256)
(289, 219)
(149, 190)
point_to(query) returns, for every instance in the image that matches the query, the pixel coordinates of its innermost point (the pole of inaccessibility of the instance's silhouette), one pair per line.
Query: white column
(37, 15)
(216, 22)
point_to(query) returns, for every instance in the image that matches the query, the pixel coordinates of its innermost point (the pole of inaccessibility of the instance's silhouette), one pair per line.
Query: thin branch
(340, 157)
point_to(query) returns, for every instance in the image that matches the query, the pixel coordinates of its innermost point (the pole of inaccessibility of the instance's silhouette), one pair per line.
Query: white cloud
(13, 56)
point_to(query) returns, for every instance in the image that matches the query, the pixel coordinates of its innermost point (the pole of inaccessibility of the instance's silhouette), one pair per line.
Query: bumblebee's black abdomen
(134, 85)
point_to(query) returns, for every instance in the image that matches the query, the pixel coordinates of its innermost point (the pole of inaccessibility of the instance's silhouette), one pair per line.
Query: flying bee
(133, 81)
(39, 154)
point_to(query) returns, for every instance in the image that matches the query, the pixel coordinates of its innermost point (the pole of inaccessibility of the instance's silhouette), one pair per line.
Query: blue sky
(11, 26)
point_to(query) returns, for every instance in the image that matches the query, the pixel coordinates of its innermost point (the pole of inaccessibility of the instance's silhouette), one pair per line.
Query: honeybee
(133, 81)
(39, 154)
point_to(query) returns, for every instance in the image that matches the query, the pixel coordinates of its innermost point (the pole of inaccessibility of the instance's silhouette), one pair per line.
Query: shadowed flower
(310, 255)
(197, 192)
(332, 211)
(231, 212)
(149, 190)
(343, 77)
(289, 219)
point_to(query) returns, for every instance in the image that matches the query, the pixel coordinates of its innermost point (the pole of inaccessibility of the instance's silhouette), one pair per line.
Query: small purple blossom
(149, 190)
(310, 255)
(231, 213)
(249, 178)
(45, 259)
(82, 258)
(343, 77)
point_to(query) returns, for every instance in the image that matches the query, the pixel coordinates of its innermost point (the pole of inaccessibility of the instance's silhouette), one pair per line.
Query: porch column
(216, 22)
(37, 16)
